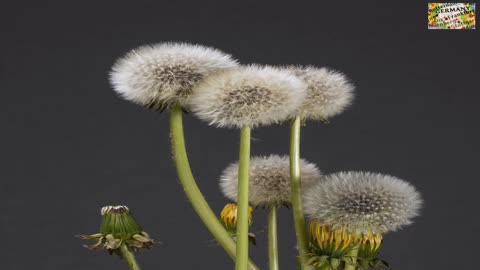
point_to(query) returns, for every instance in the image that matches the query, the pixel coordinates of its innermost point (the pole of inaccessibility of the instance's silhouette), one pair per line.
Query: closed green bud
(118, 227)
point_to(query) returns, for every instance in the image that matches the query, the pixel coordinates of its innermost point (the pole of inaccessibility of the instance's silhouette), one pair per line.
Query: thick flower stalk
(350, 211)
(328, 93)
(160, 77)
(296, 193)
(120, 234)
(192, 191)
(269, 186)
(244, 98)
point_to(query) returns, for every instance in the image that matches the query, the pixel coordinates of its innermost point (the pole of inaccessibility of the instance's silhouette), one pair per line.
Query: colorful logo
(451, 16)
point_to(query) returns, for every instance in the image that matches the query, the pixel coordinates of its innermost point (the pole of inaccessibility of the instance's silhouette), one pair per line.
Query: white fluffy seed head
(157, 76)
(329, 92)
(362, 202)
(269, 180)
(248, 96)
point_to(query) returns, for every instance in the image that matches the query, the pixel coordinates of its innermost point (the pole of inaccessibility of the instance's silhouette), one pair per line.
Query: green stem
(295, 185)
(129, 257)
(242, 200)
(351, 264)
(191, 189)
(272, 237)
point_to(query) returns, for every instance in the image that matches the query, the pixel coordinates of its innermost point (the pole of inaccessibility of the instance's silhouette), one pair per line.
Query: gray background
(70, 146)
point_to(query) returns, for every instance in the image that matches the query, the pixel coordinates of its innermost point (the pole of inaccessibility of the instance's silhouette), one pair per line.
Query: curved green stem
(191, 189)
(129, 257)
(351, 264)
(295, 185)
(242, 200)
(272, 237)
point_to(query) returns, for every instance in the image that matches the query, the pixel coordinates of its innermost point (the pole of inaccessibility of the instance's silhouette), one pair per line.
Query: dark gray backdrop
(70, 146)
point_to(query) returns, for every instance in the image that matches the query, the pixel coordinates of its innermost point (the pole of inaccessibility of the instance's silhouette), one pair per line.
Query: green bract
(118, 227)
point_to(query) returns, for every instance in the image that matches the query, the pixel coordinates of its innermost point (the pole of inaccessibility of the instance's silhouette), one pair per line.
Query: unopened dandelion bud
(331, 246)
(118, 227)
(228, 218)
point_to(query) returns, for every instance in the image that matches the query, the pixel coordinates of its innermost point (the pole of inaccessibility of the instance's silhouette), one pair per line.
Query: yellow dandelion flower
(330, 244)
(228, 216)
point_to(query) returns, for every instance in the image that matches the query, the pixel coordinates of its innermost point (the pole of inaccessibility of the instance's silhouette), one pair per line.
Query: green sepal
(118, 227)
(376, 263)
(335, 263)
(379, 264)
(363, 264)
